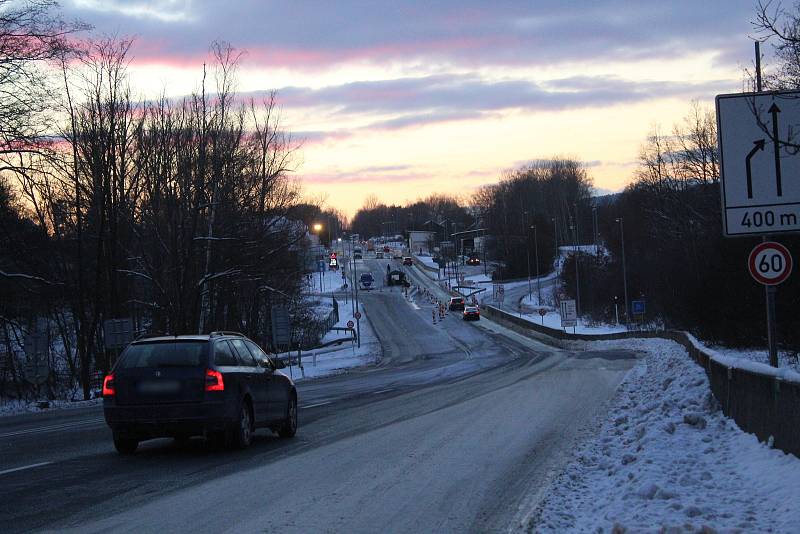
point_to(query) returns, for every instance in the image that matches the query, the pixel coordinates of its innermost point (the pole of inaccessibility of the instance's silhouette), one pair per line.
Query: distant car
(379, 255)
(221, 386)
(456, 304)
(366, 280)
(397, 256)
(408, 260)
(474, 260)
(358, 254)
(397, 278)
(472, 313)
(386, 249)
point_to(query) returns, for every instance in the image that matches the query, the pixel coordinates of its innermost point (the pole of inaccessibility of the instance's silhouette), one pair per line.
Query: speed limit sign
(350, 324)
(770, 263)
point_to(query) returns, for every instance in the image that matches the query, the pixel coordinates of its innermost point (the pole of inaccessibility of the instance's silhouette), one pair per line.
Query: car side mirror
(279, 364)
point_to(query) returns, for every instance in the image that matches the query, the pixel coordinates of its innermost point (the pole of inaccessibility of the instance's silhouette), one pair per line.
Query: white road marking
(7, 471)
(317, 404)
(53, 428)
(382, 391)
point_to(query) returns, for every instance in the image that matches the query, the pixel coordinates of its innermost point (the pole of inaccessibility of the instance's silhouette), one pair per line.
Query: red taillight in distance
(109, 389)
(214, 381)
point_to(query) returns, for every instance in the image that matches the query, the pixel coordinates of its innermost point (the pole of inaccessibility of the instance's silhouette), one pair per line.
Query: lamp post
(355, 299)
(528, 253)
(317, 227)
(624, 268)
(555, 238)
(536, 251)
(573, 227)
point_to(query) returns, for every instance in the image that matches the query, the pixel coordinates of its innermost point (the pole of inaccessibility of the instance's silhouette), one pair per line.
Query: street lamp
(317, 227)
(624, 268)
(574, 227)
(528, 253)
(555, 238)
(536, 249)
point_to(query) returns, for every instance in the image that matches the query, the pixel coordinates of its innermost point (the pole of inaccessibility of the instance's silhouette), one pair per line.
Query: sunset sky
(402, 99)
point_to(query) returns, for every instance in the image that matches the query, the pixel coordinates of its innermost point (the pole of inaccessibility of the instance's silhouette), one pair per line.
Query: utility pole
(624, 268)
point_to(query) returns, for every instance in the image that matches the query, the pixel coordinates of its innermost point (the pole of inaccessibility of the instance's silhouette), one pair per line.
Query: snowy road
(456, 429)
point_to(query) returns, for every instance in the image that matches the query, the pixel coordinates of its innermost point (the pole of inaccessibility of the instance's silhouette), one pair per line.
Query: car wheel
(289, 427)
(243, 433)
(125, 445)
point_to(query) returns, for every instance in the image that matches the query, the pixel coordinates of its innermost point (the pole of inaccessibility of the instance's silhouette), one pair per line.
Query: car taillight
(108, 386)
(214, 381)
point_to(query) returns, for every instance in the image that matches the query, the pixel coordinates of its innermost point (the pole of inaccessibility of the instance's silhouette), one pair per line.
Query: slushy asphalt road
(459, 428)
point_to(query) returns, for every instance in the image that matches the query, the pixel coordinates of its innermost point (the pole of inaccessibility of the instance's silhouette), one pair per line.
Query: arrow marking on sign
(759, 146)
(774, 110)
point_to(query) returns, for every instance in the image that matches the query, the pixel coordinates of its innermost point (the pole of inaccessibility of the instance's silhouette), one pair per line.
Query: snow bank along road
(457, 429)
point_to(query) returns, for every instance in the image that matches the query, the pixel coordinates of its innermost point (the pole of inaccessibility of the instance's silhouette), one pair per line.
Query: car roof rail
(226, 333)
(147, 334)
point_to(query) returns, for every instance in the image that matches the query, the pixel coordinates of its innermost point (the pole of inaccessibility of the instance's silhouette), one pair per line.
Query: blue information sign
(637, 307)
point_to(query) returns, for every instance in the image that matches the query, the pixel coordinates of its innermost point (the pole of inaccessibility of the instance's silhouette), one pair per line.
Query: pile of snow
(667, 460)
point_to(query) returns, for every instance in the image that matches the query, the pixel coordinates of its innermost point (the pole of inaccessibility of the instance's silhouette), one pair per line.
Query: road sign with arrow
(759, 140)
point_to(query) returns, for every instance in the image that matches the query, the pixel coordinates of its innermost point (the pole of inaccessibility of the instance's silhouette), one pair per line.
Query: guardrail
(761, 400)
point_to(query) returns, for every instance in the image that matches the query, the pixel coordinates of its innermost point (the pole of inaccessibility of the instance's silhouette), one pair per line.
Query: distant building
(421, 241)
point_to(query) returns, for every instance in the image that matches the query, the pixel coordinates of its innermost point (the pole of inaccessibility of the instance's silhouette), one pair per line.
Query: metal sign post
(770, 264)
(569, 314)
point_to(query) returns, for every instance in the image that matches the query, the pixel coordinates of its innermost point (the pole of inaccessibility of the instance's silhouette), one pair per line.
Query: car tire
(242, 434)
(289, 426)
(125, 445)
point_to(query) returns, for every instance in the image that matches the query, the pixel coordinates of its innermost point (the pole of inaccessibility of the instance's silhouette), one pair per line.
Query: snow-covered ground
(786, 360)
(552, 319)
(327, 282)
(666, 459)
(338, 358)
(14, 407)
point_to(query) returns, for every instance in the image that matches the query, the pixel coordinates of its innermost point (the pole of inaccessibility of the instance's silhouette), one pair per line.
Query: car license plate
(158, 387)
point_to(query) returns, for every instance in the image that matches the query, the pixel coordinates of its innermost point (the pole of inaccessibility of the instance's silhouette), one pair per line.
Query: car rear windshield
(164, 354)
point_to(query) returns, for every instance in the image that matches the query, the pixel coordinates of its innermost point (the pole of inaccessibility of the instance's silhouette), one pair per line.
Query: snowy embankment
(337, 359)
(667, 458)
